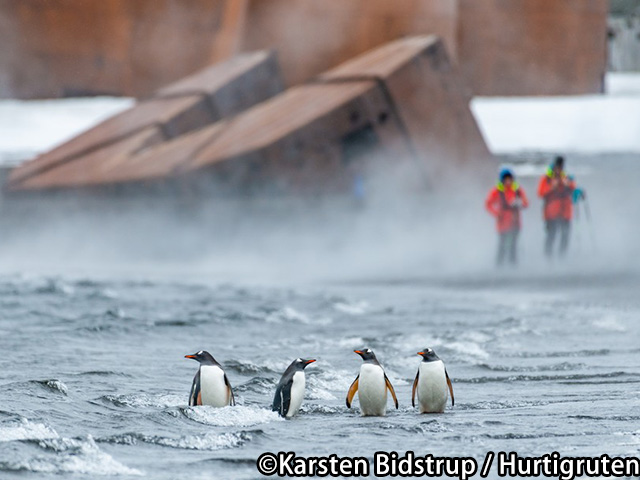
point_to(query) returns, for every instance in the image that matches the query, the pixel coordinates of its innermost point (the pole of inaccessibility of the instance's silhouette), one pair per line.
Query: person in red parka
(504, 202)
(556, 190)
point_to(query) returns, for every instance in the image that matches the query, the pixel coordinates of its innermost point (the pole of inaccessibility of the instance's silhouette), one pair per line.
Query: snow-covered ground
(607, 123)
(623, 83)
(31, 127)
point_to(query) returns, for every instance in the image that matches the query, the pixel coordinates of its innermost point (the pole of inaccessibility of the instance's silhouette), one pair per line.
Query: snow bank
(29, 127)
(586, 124)
(607, 123)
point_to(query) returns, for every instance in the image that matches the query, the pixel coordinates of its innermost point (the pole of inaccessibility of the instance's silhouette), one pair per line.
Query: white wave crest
(74, 456)
(238, 416)
(208, 441)
(289, 314)
(469, 350)
(56, 385)
(26, 430)
(144, 400)
(323, 385)
(352, 308)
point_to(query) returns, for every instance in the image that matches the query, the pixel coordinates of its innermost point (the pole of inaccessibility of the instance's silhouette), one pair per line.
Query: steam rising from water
(392, 234)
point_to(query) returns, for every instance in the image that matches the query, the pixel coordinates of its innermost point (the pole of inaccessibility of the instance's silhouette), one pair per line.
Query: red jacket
(556, 193)
(500, 203)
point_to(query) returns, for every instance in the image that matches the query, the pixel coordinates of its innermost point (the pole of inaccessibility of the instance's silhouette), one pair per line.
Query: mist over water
(395, 231)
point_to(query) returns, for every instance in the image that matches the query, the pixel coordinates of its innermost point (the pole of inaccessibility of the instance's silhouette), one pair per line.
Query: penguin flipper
(413, 390)
(453, 402)
(286, 398)
(232, 398)
(194, 397)
(282, 400)
(277, 406)
(393, 392)
(352, 391)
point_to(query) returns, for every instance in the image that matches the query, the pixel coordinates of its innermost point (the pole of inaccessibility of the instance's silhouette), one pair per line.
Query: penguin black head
(428, 355)
(203, 357)
(367, 355)
(301, 363)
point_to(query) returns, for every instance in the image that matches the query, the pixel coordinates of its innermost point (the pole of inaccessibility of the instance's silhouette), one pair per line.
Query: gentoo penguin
(290, 390)
(210, 385)
(371, 385)
(431, 383)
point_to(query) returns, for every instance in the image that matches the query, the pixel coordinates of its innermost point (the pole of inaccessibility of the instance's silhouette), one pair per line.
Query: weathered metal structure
(624, 36)
(295, 96)
(201, 99)
(400, 104)
(55, 48)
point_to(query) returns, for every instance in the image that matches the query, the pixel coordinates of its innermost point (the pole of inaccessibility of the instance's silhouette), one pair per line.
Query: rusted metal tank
(533, 47)
(192, 103)
(399, 107)
(54, 48)
(429, 97)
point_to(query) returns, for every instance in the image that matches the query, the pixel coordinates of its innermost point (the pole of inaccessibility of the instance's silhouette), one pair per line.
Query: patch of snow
(30, 127)
(584, 124)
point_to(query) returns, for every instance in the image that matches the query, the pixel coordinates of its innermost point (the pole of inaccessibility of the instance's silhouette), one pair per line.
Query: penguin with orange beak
(371, 385)
(290, 389)
(210, 385)
(431, 384)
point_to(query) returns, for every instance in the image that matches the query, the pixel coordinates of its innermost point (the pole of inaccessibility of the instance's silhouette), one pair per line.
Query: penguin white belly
(297, 393)
(372, 390)
(213, 389)
(432, 387)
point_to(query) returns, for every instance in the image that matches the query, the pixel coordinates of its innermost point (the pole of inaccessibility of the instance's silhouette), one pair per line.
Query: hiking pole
(587, 213)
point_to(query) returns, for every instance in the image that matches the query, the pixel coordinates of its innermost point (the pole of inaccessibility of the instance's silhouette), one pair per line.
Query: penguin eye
(199, 353)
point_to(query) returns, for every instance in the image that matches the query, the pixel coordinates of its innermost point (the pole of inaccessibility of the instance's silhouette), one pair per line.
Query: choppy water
(93, 381)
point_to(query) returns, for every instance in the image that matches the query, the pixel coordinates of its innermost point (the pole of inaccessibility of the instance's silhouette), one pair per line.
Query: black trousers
(508, 246)
(557, 227)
